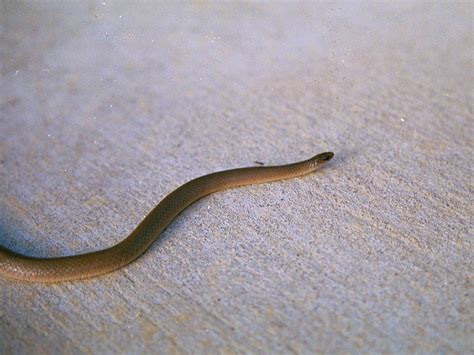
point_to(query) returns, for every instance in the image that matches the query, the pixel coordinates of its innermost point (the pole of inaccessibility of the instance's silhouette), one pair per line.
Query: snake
(21, 267)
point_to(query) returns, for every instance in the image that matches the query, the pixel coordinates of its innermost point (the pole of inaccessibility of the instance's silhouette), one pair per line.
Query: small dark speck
(258, 162)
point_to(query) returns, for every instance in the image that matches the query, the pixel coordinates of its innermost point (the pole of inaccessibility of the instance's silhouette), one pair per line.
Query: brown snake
(66, 268)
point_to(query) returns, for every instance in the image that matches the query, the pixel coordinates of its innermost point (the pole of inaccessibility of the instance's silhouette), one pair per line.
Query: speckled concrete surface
(107, 107)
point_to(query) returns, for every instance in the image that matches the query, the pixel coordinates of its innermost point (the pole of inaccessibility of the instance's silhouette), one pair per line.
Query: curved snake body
(21, 267)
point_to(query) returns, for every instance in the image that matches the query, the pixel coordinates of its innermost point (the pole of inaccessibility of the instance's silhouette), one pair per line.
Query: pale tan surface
(105, 109)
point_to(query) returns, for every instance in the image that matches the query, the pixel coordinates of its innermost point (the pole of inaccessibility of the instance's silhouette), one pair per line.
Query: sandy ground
(106, 107)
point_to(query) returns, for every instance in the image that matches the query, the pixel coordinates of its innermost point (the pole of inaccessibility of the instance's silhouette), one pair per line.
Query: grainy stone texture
(106, 107)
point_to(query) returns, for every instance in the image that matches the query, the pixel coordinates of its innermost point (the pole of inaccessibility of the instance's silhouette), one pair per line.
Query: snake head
(324, 157)
(320, 159)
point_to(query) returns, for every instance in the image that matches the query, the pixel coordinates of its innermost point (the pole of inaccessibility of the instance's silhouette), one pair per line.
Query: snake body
(26, 268)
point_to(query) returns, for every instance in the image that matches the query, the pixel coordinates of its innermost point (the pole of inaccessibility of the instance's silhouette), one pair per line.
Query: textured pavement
(106, 107)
